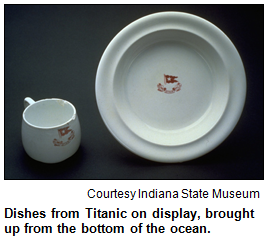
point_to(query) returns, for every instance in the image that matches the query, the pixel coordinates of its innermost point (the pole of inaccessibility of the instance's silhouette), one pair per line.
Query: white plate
(170, 87)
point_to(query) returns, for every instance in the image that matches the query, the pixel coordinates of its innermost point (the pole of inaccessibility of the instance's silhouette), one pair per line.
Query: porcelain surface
(170, 87)
(50, 130)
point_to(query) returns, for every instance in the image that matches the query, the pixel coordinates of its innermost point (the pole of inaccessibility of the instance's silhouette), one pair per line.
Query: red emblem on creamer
(62, 135)
(171, 85)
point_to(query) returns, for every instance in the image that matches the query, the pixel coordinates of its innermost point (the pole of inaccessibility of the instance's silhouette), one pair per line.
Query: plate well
(170, 87)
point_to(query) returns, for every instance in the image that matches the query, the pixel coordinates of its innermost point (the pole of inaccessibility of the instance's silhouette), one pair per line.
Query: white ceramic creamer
(51, 129)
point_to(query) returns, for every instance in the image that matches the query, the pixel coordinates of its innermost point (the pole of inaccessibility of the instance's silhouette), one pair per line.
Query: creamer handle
(28, 101)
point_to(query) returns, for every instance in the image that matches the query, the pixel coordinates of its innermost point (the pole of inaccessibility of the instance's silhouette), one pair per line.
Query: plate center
(169, 86)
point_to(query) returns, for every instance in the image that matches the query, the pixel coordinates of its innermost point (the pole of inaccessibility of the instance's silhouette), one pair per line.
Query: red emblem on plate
(62, 133)
(171, 85)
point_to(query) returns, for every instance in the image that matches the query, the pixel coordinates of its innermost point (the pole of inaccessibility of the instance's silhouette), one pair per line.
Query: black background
(54, 51)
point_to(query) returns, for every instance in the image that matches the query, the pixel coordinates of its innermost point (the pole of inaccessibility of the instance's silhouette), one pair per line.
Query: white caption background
(72, 196)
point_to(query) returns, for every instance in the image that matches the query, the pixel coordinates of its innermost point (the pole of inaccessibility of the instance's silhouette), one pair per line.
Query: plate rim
(163, 153)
